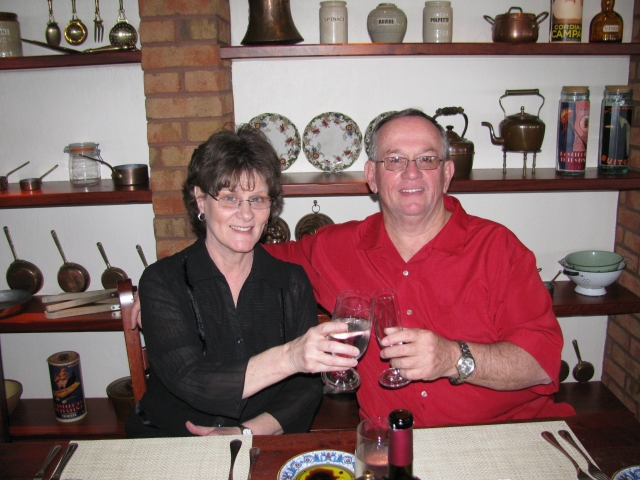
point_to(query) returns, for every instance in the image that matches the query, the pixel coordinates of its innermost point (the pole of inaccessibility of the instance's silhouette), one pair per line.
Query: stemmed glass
(353, 308)
(387, 316)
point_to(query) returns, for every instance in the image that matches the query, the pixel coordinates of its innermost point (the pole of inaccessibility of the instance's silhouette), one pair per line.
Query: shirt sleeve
(296, 404)
(176, 351)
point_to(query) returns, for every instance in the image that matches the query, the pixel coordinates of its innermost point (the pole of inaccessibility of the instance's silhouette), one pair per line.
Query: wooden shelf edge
(64, 60)
(473, 49)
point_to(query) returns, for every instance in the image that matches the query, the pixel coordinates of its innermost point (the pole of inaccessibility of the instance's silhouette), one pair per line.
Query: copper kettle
(270, 23)
(460, 149)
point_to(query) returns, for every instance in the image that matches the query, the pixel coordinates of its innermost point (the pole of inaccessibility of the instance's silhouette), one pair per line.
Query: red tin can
(66, 385)
(573, 130)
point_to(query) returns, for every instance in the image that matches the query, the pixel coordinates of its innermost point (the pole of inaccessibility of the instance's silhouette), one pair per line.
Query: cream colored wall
(44, 110)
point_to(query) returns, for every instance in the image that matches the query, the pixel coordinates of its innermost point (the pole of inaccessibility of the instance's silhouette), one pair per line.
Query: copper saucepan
(112, 275)
(515, 27)
(4, 180)
(30, 184)
(71, 276)
(142, 257)
(125, 175)
(22, 275)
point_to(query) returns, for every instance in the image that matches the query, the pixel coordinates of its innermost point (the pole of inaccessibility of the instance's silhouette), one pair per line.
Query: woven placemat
(494, 452)
(158, 458)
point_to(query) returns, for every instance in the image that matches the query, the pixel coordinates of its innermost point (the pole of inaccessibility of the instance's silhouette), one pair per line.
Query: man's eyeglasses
(424, 162)
(233, 202)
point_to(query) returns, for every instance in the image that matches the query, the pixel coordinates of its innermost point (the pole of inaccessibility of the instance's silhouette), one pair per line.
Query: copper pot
(461, 150)
(270, 23)
(515, 26)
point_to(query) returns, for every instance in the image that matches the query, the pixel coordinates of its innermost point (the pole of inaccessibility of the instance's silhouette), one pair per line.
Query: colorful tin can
(66, 385)
(573, 130)
(616, 118)
(566, 21)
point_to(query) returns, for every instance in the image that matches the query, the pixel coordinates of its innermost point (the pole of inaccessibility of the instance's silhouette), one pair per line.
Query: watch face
(466, 365)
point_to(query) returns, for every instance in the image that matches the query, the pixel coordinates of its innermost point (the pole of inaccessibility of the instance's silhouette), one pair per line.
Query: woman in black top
(231, 332)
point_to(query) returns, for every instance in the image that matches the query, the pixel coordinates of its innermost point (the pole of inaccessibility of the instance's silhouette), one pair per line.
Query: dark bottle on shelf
(607, 25)
(400, 465)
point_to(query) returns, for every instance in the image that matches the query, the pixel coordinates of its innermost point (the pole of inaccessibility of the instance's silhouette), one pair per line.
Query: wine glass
(354, 309)
(386, 316)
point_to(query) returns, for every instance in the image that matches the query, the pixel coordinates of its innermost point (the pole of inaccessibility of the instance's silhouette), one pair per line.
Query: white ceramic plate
(282, 134)
(629, 473)
(332, 142)
(339, 465)
(369, 131)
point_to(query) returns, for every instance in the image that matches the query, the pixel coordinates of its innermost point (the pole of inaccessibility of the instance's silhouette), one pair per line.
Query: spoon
(75, 33)
(254, 452)
(234, 446)
(53, 34)
(123, 33)
(583, 371)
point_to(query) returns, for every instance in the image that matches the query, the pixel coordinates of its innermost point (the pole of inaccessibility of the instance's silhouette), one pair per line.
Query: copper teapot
(520, 132)
(460, 149)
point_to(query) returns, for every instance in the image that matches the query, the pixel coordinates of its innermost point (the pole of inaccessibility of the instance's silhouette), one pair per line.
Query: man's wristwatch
(245, 430)
(466, 365)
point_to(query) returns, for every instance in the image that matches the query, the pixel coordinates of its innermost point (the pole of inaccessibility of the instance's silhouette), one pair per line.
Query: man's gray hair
(409, 112)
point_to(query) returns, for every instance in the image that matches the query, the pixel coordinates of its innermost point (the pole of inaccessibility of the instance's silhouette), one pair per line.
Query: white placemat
(158, 458)
(494, 452)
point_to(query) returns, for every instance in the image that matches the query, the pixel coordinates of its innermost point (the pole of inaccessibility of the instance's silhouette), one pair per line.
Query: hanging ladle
(583, 371)
(75, 33)
(112, 275)
(123, 33)
(29, 184)
(4, 180)
(53, 35)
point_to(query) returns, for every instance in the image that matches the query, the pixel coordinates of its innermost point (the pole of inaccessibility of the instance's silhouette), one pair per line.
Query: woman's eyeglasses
(233, 202)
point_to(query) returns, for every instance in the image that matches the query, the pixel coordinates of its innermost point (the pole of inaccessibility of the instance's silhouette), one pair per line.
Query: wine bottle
(607, 25)
(400, 463)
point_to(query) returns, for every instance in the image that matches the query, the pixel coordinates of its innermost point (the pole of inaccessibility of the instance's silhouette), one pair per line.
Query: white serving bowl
(591, 284)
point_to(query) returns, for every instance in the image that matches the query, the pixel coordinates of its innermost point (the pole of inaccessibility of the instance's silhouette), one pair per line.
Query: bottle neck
(607, 5)
(401, 447)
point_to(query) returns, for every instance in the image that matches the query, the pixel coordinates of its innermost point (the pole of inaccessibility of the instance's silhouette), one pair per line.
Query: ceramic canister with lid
(10, 44)
(616, 117)
(573, 130)
(334, 22)
(83, 171)
(387, 24)
(437, 22)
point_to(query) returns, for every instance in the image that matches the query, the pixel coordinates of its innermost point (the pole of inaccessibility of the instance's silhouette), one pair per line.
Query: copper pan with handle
(22, 275)
(71, 276)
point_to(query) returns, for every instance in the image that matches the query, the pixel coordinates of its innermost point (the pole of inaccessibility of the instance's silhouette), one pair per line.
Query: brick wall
(621, 369)
(188, 96)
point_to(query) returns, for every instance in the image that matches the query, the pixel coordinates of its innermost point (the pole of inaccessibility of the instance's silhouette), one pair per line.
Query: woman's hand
(212, 431)
(312, 352)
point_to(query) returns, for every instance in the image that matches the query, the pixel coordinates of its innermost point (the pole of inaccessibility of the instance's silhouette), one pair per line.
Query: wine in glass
(387, 319)
(354, 309)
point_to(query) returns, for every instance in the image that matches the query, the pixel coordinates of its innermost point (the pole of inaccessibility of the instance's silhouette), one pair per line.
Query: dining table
(507, 450)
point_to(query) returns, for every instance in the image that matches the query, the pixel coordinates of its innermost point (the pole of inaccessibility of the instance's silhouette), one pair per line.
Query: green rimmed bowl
(598, 261)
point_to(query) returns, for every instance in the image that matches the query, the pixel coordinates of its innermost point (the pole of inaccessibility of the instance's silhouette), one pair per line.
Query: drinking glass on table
(387, 319)
(372, 446)
(353, 308)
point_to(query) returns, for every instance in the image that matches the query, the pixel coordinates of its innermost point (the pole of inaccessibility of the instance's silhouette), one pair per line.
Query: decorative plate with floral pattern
(629, 473)
(282, 134)
(334, 463)
(332, 142)
(369, 131)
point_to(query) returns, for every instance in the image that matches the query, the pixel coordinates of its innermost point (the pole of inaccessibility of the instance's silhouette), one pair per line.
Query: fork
(548, 436)
(594, 471)
(98, 29)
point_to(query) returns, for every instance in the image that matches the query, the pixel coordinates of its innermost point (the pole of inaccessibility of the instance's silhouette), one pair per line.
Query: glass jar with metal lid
(83, 171)
(616, 117)
(573, 130)
(10, 44)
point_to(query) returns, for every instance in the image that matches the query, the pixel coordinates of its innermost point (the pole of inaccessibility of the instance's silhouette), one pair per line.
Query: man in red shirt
(480, 340)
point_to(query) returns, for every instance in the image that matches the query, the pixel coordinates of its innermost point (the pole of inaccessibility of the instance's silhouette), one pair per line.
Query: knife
(63, 463)
(52, 454)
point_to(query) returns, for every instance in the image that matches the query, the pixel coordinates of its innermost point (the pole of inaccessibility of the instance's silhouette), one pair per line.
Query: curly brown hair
(223, 160)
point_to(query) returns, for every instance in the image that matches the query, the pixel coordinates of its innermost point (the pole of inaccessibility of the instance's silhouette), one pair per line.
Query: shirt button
(409, 312)
(405, 273)
(239, 341)
(424, 394)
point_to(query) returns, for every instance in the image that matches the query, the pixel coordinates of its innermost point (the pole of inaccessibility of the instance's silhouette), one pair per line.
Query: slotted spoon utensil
(548, 436)
(594, 471)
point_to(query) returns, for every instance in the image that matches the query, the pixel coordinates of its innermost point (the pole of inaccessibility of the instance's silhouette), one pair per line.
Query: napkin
(158, 458)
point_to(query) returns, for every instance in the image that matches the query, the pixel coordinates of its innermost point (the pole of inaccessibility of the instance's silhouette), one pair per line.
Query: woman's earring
(201, 216)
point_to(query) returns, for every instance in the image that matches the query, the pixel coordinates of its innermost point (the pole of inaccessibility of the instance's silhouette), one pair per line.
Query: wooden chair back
(136, 353)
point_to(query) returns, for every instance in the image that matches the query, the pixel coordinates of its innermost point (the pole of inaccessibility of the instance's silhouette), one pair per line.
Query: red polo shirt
(475, 281)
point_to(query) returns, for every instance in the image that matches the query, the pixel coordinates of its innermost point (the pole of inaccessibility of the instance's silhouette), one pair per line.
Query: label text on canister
(573, 130)
(614, 137)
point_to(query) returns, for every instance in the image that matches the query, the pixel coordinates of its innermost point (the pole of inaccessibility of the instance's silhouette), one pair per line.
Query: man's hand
(423, 355)
(212, 431)
(136, 318)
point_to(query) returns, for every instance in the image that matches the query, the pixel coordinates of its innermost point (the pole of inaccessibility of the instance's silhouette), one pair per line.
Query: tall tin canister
(566, 21)
(67, 387)
(573, 130)
(615, 129)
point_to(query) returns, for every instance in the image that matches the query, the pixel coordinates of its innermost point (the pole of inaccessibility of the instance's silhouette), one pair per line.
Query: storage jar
(566, 21)
(437, 22)
(573, 130)
(616, 117)
(334, 22)
(10, 44)
(83, 172)
(387, 24)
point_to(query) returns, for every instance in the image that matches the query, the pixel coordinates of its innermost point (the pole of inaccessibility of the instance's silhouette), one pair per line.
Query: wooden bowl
(13, 390)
